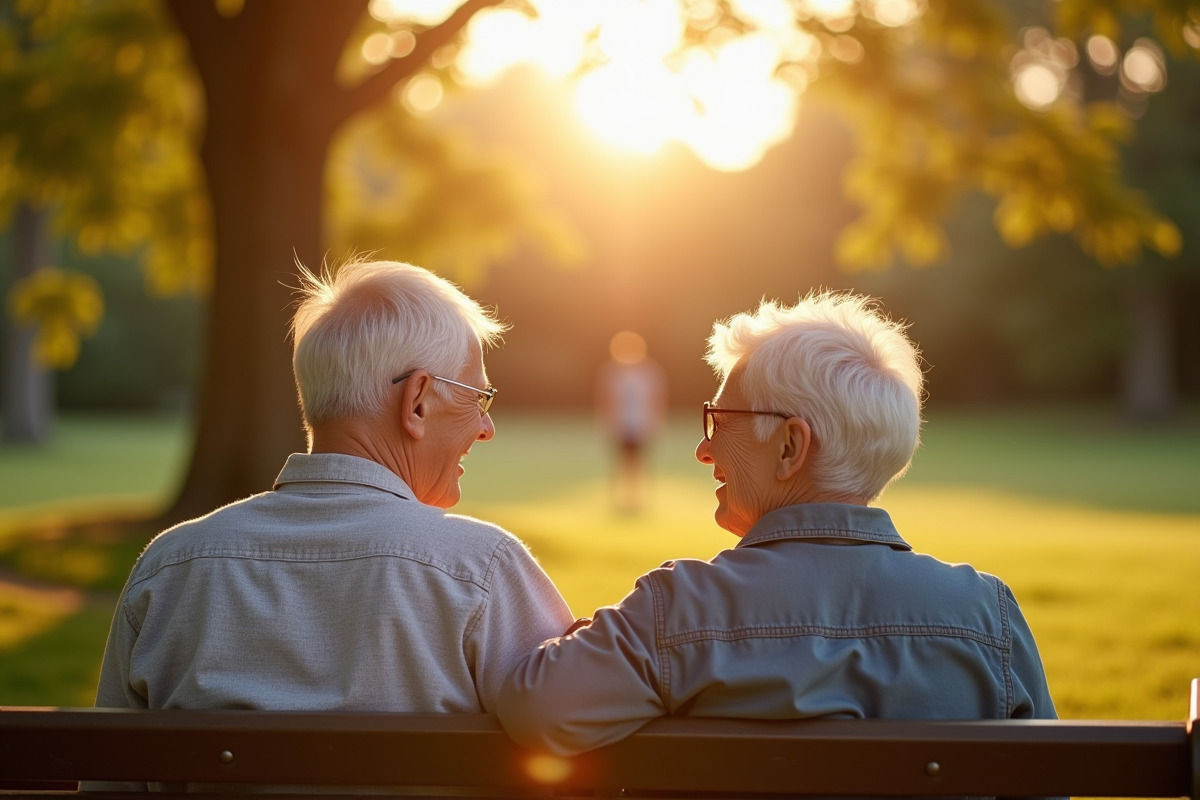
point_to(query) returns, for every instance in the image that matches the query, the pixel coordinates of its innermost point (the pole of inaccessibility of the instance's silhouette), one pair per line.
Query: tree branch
(377, 86)
(332, 25)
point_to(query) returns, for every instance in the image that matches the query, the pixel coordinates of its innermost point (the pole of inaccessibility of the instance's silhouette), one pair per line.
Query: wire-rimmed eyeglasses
(711, 411)
(486, 396)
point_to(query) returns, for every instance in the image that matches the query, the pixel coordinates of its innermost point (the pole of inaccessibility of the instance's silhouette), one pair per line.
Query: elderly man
(348, 586)
(821, 609)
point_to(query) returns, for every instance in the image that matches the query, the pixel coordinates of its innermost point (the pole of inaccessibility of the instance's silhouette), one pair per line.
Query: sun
(641, 87)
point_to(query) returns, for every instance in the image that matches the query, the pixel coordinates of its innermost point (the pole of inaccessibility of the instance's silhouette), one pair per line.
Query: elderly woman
(821, 609)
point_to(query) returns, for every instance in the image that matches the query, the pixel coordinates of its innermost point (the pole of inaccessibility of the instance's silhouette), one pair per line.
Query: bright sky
(726, 103)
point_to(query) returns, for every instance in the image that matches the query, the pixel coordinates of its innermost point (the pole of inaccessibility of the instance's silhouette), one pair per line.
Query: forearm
(582, 691)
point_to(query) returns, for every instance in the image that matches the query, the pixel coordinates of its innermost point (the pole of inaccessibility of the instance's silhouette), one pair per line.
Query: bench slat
(834, 757)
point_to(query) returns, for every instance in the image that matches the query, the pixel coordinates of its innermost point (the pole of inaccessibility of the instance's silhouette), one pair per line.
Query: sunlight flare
(637, 106)
(728, 103)
(502, 38)
(640, 30)
(423, 12)
(735, 92)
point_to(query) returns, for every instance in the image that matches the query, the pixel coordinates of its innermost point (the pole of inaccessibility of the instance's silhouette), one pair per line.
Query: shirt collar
(343, 469)
(840, 521)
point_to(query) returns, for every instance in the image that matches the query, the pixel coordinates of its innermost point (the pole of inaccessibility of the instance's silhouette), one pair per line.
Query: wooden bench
(43, 751)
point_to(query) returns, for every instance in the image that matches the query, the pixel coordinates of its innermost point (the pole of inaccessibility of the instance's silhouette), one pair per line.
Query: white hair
(839, 363)
(360, 325)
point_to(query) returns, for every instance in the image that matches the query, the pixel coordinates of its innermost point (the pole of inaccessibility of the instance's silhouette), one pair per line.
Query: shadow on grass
(93, 554)
(59, 667)
(59, 581)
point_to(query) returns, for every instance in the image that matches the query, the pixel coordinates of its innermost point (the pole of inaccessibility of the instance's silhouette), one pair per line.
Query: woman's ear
(795, 449)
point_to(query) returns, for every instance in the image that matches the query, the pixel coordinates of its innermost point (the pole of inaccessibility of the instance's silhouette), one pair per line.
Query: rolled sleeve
(592, 687)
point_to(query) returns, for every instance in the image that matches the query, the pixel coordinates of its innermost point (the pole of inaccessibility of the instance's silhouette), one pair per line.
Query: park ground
(1094, 522)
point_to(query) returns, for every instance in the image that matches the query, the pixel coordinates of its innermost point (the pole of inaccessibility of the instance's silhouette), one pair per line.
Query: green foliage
(1163, 155)
(98, 116)
(1042, 323)
(102, 108)
(99, 112)
(1173, 20)
(399, 185)
(63, 305)
(146, 354)
(99, 120)
(933, 106)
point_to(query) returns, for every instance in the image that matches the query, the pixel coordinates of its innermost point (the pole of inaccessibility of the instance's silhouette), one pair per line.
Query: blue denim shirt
(822, 610)
(337, 590)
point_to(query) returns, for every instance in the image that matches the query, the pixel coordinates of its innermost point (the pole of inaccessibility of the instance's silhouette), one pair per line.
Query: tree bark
(263, 155)
(1148, 390)
(274, 102)
(28, 386)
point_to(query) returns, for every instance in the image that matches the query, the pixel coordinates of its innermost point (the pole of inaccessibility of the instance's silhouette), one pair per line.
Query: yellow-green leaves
(937, 117)
(62, 306)
(98, 119)
(401, 186)
(1059, 173)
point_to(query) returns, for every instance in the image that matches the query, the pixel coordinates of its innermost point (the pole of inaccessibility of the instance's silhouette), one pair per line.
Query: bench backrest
(687, 755)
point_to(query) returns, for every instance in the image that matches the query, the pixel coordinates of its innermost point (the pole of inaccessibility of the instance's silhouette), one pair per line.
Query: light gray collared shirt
(336, 590)
(821, 610)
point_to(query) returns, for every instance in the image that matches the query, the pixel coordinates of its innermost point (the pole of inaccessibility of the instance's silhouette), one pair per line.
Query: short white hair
(836, 361)
(362, 324)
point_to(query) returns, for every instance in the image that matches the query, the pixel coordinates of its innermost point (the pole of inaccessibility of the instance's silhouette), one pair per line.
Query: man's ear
(795, 449)
(414, 403)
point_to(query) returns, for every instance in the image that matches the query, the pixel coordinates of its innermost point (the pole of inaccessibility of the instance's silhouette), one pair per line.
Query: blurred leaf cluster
(455, 207)
(98, 121)
(931, 98)
(63, 305)
(100, 113)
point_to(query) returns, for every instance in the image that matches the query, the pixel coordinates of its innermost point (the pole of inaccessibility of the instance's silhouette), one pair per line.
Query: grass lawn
(1095, 525)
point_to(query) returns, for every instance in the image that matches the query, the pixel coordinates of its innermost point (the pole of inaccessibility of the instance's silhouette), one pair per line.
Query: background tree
(269, 91)
(927, 85)
(1163, 159)
(91, 147)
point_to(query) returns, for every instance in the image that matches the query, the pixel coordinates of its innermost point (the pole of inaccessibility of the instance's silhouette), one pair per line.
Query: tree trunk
(263, 155)
(274, 100)
(1148, 390)
(28, 386)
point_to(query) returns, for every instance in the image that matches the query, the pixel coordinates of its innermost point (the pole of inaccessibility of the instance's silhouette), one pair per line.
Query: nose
(489, 428)
(702, 452)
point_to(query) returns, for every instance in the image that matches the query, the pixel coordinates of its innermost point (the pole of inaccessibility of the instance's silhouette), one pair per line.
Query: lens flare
(548, 769)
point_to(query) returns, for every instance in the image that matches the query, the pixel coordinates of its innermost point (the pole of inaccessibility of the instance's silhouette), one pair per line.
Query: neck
(805, 492)
(361, 438)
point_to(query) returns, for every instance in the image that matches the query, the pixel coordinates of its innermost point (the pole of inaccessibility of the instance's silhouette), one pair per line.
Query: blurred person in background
(821, 609)
(631, 403)
(348, 586)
